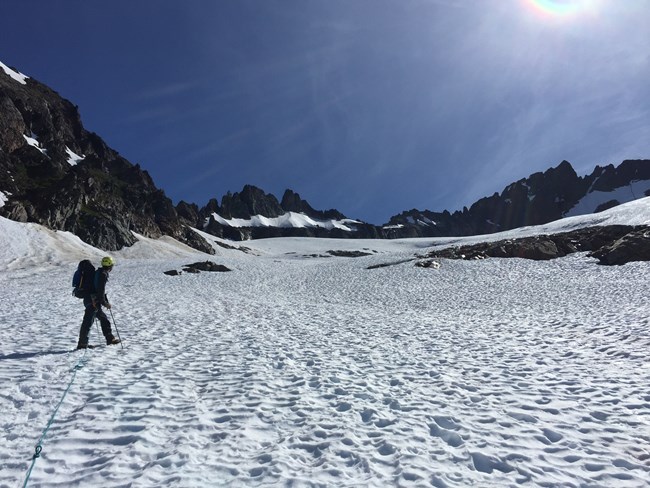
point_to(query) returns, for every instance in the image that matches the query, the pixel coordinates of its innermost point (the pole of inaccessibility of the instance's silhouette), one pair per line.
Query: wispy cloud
(215, 147)
(167, 91)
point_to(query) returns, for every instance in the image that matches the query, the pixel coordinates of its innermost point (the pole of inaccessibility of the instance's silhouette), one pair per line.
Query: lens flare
(559, 7)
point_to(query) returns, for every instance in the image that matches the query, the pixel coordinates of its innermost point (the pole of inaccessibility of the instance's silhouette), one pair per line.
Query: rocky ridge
(538, 199)
(541, 198)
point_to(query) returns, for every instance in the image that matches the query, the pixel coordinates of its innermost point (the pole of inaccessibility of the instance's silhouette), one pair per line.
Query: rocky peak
(609, 178)
(57, 174)
(249, 202)
(254, 202)
(188, 213)
(291, 202)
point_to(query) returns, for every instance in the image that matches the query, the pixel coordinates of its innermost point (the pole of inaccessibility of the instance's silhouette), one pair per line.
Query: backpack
(83, 281)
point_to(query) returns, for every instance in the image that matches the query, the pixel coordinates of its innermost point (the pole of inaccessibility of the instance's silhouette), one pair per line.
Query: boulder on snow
(172, 272)
(428, 263)
(205, 266)
(541, 249)
(538, 248)
(634, 246)
(349, 254)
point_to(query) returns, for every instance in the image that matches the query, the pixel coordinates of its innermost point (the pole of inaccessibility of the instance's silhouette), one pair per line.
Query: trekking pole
(97, 324)
(115, 325)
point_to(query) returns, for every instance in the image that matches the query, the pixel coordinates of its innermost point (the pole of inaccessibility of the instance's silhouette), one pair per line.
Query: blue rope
(39, 447)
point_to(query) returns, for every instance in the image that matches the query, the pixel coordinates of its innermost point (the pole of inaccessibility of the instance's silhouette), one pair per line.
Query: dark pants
(90, 314)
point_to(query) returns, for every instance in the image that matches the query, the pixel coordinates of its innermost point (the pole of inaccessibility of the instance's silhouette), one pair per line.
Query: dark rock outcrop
(61, 176)
(615, 244)
(634, 246)
(205, 266)
(349, 254)
(196, 268)
(401, 261)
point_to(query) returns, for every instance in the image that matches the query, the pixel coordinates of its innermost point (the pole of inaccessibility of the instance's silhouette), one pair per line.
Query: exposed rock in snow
(616, 244)
(634, 246)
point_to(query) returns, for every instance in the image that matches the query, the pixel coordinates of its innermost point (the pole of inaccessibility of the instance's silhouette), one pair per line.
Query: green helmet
(108, 262)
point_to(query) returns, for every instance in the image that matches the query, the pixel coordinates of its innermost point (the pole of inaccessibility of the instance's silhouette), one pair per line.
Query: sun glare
(562, 8)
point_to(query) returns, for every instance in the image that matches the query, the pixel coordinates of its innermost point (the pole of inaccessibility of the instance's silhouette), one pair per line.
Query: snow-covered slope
(294, 370)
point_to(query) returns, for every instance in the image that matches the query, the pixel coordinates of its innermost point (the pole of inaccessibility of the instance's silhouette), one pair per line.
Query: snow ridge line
(39, 447)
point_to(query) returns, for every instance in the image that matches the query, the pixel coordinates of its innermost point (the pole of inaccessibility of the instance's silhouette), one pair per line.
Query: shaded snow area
(623, 194)
(288, 220)
(311, 371)
(19, 77)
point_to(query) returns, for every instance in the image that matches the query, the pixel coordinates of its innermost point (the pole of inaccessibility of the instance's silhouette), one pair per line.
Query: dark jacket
(101, 278)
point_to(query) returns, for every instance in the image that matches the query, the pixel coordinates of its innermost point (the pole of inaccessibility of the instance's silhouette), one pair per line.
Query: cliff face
(55, 173)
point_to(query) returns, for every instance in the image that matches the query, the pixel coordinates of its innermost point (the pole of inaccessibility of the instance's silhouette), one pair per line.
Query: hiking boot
(114, 340)
(85, 346)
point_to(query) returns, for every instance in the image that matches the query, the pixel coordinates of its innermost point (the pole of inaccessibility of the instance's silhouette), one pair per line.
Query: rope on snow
(39, 446)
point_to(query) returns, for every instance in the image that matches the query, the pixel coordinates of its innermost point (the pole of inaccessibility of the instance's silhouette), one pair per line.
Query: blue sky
(368, 106)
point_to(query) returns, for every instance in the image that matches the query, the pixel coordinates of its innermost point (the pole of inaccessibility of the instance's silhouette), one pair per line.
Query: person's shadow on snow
(27, 355)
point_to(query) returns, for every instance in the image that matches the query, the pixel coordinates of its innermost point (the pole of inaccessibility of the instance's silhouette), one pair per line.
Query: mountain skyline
(57, 173)
(614, 185)
(425, 104)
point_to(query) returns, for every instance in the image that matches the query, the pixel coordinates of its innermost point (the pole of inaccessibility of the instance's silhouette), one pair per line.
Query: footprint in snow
(451, 438)
(487, 464)
(446, 422)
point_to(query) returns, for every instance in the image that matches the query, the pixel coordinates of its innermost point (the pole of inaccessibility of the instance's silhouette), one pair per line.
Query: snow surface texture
(300, 371)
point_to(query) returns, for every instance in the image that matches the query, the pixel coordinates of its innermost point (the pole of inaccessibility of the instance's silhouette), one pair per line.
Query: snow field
(319, 372)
